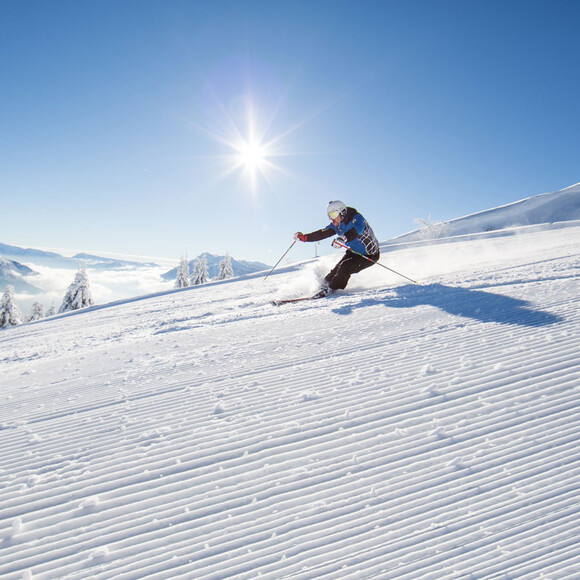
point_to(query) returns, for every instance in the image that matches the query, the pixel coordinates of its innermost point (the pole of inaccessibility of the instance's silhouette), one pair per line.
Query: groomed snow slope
(389, 431)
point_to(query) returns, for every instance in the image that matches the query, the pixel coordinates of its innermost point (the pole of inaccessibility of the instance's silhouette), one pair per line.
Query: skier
(353, 231)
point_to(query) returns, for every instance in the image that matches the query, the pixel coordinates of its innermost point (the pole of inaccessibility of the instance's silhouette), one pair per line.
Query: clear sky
(165, 127)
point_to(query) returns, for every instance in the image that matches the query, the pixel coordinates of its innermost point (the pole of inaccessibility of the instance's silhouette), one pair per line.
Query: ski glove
(338, 243)
(300, 236)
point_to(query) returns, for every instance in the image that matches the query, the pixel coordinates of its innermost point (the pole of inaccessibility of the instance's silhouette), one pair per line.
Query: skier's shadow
(475, 304)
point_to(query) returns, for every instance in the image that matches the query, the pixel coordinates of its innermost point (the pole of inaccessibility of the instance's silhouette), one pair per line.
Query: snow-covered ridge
(547, 208)
(391, 431)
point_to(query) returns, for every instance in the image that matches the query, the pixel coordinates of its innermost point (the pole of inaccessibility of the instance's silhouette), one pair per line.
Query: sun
(256, 145)
(253, 156)
(250, 155)
(246, 108)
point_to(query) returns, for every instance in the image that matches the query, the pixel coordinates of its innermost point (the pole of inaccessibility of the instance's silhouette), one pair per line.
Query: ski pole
(283, 256)
(377, 263)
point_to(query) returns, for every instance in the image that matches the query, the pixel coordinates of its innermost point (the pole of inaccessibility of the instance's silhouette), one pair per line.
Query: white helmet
(335, 209)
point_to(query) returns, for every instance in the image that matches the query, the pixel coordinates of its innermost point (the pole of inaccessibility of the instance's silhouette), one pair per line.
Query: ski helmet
(335, 209)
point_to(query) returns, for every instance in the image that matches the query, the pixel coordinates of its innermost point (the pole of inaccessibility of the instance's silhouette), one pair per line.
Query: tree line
(199, 273)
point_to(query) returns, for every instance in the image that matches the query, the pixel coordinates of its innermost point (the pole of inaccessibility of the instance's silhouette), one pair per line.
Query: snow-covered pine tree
(225, 268)
(200, 272)
(10, 315)
(51, 311)
(78, 294)
(182, 278)
(37, 312)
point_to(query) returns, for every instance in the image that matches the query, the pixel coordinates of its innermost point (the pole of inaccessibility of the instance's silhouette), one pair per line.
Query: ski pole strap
(283, 256)
(378, 263)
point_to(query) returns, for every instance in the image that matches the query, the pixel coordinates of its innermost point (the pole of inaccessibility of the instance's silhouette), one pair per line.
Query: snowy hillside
(390, 431)
(558, 206)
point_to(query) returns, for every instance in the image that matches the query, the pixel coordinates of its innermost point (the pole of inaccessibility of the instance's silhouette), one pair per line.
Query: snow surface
(390, 431)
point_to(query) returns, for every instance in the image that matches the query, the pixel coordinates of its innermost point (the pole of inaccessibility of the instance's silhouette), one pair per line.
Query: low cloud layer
(106, 285)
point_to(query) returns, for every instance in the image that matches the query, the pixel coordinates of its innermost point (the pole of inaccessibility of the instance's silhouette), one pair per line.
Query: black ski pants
(350, 263)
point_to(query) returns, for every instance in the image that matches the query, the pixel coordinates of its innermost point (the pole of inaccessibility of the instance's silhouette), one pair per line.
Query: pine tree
(200, 273)
(10, 315)
(51, 311)
(225, 268)
(182, 279)
(37, 312)
(78, 294)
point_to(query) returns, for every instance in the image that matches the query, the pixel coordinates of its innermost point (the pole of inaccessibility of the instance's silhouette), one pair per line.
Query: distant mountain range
(54, 260)
(92, 261)
(240, 267)
(12, 273)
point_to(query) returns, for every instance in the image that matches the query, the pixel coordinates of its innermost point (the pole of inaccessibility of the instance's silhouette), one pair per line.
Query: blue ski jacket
(355, 230)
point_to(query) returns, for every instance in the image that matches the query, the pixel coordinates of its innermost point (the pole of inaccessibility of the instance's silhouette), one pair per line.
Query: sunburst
(254, 149)
(253, 157)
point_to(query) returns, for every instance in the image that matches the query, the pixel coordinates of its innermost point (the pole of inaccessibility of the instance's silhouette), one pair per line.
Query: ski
(290, 300)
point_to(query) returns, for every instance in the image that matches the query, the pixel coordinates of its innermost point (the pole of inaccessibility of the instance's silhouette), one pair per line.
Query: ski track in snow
(389, 431)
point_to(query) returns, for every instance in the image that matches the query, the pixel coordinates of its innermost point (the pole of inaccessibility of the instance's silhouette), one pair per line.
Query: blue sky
(161, 128)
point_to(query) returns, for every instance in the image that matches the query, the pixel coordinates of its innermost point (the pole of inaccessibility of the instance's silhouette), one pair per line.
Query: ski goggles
(333, 214)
